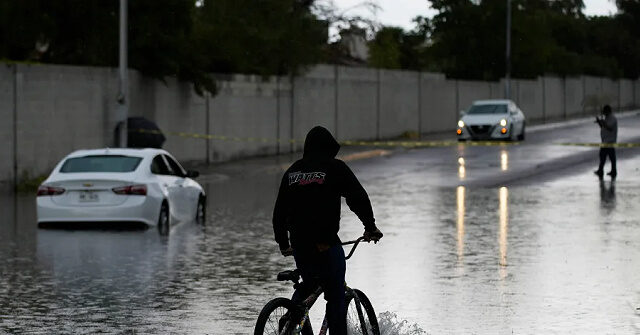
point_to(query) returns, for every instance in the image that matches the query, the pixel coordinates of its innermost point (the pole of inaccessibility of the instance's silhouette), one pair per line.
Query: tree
(262, 37)
(629, 50)
(168, 37)
(466, 40)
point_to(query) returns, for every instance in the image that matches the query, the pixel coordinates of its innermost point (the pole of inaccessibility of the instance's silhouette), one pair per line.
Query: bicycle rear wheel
(356, 325)
(280, 316)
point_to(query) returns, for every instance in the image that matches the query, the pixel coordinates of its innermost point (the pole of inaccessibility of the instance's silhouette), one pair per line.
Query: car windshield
(488, 109)
(100, 163)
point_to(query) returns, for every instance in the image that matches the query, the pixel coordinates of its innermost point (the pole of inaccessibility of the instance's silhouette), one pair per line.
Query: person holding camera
(609, 135)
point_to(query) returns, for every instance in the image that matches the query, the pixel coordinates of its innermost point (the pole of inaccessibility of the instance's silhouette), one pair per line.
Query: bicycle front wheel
(281, 316)
(363, 321)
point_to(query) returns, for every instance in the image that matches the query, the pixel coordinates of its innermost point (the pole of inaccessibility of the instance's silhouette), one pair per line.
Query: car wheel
(521, 136)
(164, 220)
(201, 210)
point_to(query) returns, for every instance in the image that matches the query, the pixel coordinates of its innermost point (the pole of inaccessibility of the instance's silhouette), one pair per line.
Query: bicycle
(282, 316)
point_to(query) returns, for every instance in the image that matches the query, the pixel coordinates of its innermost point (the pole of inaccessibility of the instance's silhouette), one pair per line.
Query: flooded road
(488, 240)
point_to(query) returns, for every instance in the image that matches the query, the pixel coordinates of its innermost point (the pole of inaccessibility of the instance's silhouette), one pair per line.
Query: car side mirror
(192, 174)
(462, 113)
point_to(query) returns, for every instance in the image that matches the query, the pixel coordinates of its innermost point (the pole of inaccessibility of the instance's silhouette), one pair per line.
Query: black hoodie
(308, 204)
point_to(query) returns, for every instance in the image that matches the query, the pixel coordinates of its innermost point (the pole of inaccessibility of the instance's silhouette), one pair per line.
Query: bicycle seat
(292, 275)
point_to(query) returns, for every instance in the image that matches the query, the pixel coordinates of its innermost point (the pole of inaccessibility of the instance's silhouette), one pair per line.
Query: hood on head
(320, 144)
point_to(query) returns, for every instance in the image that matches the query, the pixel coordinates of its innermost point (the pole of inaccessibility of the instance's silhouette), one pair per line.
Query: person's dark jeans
(326, 269)
(611, 152)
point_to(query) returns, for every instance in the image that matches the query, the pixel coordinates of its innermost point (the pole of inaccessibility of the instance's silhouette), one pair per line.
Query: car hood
(484, 118)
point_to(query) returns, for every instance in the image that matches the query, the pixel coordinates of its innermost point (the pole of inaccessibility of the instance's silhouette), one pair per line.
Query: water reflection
(503, 210)
(460, 222)
(121, 281)
(504, 160)
(608, 194)
(462, 173)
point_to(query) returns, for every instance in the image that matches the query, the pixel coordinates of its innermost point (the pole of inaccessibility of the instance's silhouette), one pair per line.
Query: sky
(401, 12)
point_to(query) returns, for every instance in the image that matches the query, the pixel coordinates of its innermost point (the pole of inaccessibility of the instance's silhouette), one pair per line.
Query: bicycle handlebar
(353, 249)
(355, 245)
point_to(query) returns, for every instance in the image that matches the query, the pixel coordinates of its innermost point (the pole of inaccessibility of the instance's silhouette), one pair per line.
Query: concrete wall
(439, 106)
(59, 110)
(611, 92)
(469, 91)
(314, 102)
(399, 101)
(574, 96)
(636, 95)
(179, 109)
(246, 108)
(626, 93)
(64, 108)
(7, 105)
(553, 104)
(529, 97)
(357, 108)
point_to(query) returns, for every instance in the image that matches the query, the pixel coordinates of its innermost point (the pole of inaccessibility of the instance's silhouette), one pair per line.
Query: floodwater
(476, 245)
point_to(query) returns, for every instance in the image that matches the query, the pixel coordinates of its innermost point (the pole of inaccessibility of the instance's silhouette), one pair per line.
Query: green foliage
(167, 37)
(192, 39)
(384, 50)
(467, 40)
(392, 48)
(261, 37)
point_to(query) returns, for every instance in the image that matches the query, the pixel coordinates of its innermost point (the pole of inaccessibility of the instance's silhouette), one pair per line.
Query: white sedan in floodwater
(492, 120)
(121, 185)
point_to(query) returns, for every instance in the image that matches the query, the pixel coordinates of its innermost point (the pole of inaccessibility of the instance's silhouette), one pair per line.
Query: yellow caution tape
(603, 145)
(214, 137)
(424, 144)
(405, 144)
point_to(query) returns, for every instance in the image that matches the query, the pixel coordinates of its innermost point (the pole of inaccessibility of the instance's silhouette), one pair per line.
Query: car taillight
(131, 190)
(44, 190)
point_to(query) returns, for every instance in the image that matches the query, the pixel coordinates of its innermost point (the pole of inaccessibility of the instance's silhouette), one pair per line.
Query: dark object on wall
(141, 133)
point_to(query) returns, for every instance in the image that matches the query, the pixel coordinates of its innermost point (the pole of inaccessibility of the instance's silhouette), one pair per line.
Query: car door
(182, 199)
(168, 182)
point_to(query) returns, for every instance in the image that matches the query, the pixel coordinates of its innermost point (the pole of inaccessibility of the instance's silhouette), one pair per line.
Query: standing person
(307, 214)
(609, 135)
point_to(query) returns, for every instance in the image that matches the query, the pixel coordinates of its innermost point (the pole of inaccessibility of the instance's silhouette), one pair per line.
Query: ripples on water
(541, 259)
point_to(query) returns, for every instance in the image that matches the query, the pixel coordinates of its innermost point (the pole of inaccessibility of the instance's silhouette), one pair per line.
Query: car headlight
(460, 124)
(503, 122)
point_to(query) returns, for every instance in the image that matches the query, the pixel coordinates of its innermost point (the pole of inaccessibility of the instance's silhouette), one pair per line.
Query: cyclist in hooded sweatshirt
(306, 220)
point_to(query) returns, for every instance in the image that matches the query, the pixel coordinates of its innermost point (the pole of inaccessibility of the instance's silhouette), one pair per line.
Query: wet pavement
(490, 240)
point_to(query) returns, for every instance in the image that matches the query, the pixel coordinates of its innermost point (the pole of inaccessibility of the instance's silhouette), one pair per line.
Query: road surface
(518, 238)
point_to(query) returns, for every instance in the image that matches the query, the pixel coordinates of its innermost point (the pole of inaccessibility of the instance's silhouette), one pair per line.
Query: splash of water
(390, 324)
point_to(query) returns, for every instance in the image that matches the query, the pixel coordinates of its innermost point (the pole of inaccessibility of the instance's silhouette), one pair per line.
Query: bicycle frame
(311, 300)
(313, 297)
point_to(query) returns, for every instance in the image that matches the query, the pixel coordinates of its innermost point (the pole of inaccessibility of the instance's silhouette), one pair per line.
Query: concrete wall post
(336, 86)
(564, 97)
(633, 94)
(207, 106)
(544, 100)
(378, 104)
(457, 111)
(619, 96)
(368, 103)
(16, 85)
(584, 94)
(419, 104)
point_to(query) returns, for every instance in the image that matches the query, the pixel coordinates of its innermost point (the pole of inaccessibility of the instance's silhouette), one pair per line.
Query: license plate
(87, 196)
